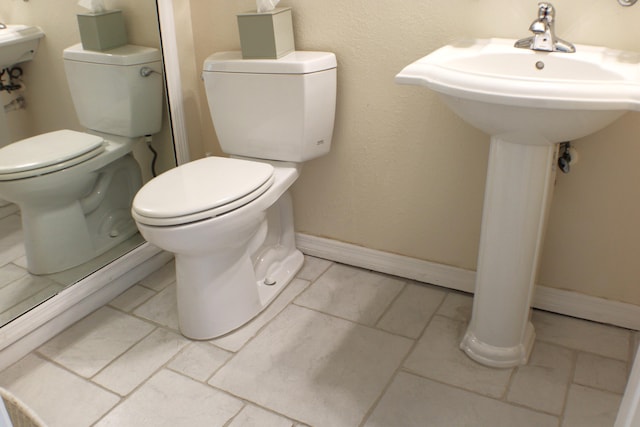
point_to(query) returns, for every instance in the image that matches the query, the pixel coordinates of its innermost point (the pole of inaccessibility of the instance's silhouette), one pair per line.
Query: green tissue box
(267, 35)
(102, 31)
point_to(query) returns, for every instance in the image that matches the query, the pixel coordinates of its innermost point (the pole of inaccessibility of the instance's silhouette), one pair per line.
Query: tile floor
(340, 346)
(19, 291)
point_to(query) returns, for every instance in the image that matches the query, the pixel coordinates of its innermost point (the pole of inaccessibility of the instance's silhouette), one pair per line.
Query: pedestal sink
(528, 102)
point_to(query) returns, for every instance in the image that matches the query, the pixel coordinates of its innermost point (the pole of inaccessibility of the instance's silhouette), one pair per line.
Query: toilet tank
(280, 109)
(118, 91)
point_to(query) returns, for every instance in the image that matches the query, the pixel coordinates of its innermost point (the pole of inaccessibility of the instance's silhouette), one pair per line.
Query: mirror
(43, 105)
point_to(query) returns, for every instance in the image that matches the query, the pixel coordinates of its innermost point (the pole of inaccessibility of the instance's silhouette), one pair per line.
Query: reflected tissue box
(103, 30)
(267, 35)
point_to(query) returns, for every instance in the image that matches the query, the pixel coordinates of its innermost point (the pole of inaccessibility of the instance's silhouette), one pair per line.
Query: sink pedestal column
(518, 193)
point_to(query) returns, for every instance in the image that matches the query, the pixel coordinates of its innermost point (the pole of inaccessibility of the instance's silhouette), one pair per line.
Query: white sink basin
(528, 101)
(18, 43)
(516, 93)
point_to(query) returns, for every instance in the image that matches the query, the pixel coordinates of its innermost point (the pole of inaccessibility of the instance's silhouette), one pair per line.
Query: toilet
(229, 221)
(75, 189)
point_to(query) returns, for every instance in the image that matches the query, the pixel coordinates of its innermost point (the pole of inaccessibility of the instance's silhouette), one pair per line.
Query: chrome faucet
(544, 35)
(2, 26)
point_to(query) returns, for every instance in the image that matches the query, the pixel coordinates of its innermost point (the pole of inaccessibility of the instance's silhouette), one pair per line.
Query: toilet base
(224, 303)
(222, 289)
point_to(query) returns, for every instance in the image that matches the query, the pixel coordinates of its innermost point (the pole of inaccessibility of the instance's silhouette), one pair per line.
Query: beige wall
(406, 176)
(49, 105)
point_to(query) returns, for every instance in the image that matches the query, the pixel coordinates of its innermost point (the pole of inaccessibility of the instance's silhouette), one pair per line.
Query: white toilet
(75, 189)
(229, 221)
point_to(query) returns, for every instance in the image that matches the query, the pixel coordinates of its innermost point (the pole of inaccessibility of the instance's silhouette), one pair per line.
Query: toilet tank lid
(298, 62)
(128, 54)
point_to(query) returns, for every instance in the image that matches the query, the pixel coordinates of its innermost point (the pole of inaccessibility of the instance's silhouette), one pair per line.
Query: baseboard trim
(559, 301)
(38, 325)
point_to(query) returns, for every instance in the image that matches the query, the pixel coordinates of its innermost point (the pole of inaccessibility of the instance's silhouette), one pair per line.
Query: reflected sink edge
(19, 33)
(18, 43)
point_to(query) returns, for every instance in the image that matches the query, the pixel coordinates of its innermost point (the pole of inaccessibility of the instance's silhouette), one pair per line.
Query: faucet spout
(544, 36)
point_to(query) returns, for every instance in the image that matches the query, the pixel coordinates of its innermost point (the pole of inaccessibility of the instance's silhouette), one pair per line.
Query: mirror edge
(168, 40)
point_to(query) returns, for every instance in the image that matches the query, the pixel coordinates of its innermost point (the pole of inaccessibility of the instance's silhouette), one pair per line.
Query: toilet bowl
(74, 189)
(229, 221)
(234, 244)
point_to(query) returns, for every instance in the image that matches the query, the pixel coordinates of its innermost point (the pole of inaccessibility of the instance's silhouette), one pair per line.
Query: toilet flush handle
(147, 71)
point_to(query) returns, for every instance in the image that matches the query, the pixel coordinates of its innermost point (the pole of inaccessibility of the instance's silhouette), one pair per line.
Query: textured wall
(406, 176)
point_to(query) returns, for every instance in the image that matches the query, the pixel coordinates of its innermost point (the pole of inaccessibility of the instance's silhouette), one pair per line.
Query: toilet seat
(47, 153)
(201, 189)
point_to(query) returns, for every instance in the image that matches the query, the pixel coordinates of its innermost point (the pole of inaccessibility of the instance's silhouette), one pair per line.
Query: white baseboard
(40, 324)
(546, 298)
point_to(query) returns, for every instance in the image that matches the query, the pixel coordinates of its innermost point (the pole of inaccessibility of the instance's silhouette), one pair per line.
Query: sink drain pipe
(567, 156)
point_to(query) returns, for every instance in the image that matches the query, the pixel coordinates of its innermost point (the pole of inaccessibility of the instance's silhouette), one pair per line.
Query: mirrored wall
(43, 104)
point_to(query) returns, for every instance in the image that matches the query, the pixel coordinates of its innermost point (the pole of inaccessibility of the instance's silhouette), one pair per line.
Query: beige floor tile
(95, 341)
(542, 383)
(10, 273)
(170, 399)
(25, 288)
(412, 401)
(11, 238)
(21, 262)
(132, 298)
(161, 308)
(314, 368)
(59, 397)
(601, 372)
(136, 365)
(351, 293)
(199, 360)
(312, 268)
(236, 339)
(457, 306)
(252, 416)
(583, 335)
(8, 209)
(587, 407)
(412, 310)
(27, 304)
(438, 356)
(161, 278)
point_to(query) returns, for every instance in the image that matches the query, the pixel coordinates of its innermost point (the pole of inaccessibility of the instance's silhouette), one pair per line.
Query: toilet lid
(47, 153)
(201, 189)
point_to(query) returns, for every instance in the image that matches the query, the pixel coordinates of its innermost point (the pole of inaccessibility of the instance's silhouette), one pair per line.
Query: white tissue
(95, 6)
(266, 5)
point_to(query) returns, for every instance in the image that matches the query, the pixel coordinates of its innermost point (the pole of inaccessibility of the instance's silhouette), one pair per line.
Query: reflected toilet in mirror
(74, 189)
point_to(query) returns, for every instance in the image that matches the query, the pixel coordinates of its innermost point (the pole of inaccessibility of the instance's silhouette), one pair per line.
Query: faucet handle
(546, 11)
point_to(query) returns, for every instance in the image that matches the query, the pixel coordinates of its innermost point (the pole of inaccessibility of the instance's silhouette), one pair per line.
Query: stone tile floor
(341, 346)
